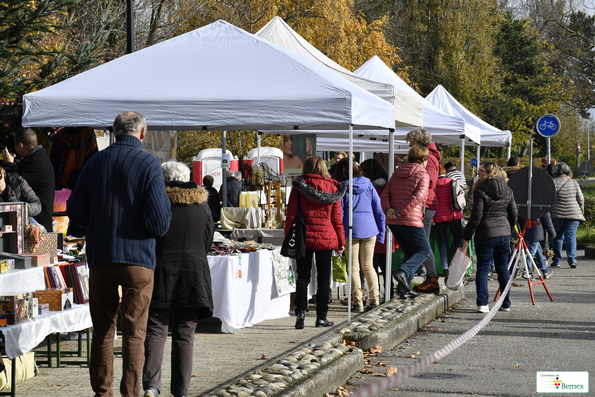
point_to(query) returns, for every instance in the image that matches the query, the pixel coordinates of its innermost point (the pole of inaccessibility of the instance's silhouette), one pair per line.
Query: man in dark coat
(35, 167)
(234, 188)
(214, 203)
(120, 198)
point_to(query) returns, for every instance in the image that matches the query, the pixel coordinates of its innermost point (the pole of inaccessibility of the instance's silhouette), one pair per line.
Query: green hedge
(590, 210)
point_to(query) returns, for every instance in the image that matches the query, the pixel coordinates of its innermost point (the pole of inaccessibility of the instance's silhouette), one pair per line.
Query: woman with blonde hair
(493, 216)
(317, 197)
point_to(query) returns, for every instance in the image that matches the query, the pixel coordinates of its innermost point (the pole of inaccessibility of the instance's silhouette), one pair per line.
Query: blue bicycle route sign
(548, 126)
(473, 162)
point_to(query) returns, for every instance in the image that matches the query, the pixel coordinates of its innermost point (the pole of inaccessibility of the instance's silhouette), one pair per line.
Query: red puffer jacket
(320, 206)
(433, 168)
(407, 193)
(445, 213)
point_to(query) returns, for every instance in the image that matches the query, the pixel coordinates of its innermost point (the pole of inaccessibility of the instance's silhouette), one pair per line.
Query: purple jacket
(366, 206)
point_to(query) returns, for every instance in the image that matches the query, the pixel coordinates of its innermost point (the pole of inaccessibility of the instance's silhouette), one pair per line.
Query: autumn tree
(46, 41)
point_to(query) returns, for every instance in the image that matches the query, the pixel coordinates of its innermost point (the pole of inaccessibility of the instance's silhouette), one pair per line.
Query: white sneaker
(483, 309)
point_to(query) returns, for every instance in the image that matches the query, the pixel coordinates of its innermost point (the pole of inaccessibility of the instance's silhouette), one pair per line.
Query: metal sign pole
(549, 157)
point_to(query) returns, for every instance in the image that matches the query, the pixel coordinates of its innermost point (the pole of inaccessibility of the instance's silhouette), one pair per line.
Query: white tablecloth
(273, 236)
(251, 299)
(22, 338)
(19, 281)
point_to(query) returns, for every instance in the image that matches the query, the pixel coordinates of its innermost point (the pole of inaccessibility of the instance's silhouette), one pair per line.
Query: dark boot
(299, 322)
(323, 322)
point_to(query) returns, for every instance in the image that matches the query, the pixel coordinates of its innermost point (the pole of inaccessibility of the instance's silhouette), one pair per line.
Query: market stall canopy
(444, 128)
(490, 135)
(361, 145)
(216, 77)
(408, 109)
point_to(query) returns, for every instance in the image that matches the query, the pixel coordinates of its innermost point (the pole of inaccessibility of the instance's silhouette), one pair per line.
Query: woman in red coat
(318, 198)
(447, 218)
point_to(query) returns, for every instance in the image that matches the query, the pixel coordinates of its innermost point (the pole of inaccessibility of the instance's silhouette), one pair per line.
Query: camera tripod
(520, 254)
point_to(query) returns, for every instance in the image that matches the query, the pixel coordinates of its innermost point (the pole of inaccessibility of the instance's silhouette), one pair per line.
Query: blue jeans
(498, 249)
(415, 246)
(537, 255)
(565, 230)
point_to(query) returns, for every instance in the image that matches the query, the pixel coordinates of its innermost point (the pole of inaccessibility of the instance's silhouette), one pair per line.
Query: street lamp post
(130, 27)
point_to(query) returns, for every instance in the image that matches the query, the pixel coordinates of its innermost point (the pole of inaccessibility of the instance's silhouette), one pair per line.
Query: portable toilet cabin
(273, 157)
(208, 162)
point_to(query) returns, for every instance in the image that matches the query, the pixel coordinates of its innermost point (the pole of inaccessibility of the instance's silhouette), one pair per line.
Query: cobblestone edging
(300, 372)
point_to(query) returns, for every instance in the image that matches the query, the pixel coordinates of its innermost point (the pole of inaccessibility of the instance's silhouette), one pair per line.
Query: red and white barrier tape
(390, 381)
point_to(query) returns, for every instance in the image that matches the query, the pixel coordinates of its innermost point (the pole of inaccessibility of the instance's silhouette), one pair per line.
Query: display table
(22, 280)
(24, 337)
(235, 218)
(273, 236)
(241, 302)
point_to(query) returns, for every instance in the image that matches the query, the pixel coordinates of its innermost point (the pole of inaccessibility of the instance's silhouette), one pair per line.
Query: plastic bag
(339, 269)
(458, 267)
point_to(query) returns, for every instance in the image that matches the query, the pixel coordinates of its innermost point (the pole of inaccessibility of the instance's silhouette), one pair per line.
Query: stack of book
(74, 276)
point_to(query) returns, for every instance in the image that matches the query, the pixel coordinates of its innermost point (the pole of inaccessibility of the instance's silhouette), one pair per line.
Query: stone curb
(329, 378)
(410, 323)
(335, 374)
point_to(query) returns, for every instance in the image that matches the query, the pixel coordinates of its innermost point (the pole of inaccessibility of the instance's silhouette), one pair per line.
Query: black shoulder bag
(294, 244)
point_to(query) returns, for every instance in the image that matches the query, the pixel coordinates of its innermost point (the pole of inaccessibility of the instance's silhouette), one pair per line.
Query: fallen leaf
(382, 364)
(263, 357)
(195, 376)
(366, 370)
(375, 374)
(517, 365)
(441, 320)
(377, 349)
(412, 356)
(418, 353)
(359, 376)
(515, 284)
(435, 362)
(296, 341)
(349, 343)
(63, 384)
(391, 371)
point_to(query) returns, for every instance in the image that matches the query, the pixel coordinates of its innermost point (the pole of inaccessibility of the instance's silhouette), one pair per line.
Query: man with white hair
(120, 198)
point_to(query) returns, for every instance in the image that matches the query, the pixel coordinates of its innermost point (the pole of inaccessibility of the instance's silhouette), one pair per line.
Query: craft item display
(39, 260)
(15, 309)
(58, 298)
(20, 261)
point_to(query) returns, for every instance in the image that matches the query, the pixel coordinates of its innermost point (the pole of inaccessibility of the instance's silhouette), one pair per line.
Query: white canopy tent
(361, 145)
(445, 129)
(216, 77)
(490, 135)
(408, 109)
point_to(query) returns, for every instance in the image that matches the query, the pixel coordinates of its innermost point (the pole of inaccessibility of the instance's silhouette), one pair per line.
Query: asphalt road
(504, 357)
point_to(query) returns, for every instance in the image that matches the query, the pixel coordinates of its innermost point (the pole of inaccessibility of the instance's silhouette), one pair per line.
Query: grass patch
(585, 234)
(588, 189)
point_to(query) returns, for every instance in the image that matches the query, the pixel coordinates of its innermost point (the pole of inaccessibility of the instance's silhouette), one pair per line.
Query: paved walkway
(220, 358)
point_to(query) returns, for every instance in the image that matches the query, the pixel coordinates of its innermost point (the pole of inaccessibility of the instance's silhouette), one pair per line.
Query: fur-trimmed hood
(186, 193)
(301, 184)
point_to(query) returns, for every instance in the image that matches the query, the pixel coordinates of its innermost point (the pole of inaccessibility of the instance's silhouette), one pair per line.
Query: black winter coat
(37, 169)
(17, 189)
(182, 275)
(493, 200)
